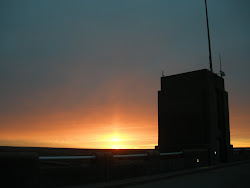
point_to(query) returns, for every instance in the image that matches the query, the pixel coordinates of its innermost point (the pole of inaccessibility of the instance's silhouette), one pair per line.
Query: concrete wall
(19, 169)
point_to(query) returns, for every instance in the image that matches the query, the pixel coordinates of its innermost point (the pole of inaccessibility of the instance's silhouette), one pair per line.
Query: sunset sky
(85, 73)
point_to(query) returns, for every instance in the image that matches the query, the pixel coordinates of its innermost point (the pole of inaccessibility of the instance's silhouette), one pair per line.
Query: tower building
(193, 113)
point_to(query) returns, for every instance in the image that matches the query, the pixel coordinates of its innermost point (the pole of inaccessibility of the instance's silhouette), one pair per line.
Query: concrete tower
(193, 114)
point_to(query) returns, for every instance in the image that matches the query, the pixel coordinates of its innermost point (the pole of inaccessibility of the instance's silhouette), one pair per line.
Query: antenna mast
(209, 46)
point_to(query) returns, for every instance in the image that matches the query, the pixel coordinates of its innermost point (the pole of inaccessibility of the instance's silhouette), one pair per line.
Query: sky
(85, 73)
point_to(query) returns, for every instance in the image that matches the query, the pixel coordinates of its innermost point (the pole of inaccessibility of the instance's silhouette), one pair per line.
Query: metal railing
(66, 157)
(130, 155)
(93, 156)
(172, 153)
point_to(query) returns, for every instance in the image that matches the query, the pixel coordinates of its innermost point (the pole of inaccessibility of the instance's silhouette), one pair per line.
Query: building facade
(193, 113)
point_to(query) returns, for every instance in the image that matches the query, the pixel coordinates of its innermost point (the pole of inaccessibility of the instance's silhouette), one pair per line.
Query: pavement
(229, 175)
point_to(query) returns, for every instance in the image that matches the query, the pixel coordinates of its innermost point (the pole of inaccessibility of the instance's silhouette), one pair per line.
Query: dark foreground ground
(228, 177)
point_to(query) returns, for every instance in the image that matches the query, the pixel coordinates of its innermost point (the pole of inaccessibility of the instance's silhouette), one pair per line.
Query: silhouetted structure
(193, 114)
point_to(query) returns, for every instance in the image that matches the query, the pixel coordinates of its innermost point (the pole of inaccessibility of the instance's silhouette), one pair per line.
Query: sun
(116, 142)
(116, 139)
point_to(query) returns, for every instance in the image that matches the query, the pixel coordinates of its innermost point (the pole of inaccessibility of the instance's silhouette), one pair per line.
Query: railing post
(19, 169)
(104, 163)
(108, 166)
(157, 162)
(100, 166)
(154, 157)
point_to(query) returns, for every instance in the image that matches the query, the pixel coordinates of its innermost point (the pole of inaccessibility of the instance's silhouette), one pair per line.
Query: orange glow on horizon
(110, 136)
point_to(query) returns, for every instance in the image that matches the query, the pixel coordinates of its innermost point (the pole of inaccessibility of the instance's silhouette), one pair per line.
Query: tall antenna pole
(209, 46)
